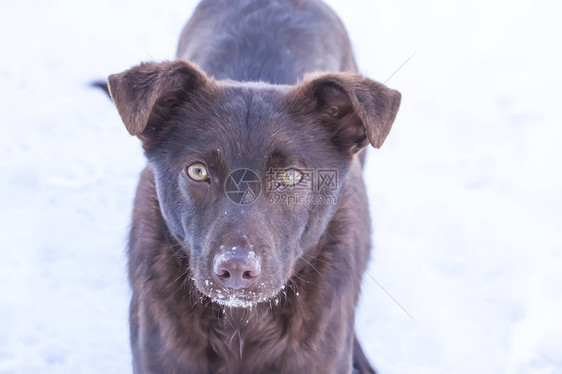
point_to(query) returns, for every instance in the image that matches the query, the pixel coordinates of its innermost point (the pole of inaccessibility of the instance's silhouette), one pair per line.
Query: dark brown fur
(313, 255)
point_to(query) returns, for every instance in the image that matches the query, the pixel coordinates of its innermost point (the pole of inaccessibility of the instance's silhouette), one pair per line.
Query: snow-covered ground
(466, 193)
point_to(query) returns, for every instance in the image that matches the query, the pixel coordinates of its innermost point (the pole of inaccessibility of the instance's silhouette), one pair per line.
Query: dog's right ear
(138, 91)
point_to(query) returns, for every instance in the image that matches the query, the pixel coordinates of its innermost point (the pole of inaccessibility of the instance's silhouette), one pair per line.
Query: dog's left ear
(357, 110)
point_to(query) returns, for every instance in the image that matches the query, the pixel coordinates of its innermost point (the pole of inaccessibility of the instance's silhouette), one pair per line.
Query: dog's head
(248, 174)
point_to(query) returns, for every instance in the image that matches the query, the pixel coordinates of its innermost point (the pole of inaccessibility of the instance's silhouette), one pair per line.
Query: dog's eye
(197, 172)
(291, 177)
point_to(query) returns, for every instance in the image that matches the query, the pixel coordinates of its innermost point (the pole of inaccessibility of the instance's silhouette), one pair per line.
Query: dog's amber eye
(197, 172)
(291, 177)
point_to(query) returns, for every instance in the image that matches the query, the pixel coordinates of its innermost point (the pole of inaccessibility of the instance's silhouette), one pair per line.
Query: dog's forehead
(251, 100)
(243, 117)
(244, 125)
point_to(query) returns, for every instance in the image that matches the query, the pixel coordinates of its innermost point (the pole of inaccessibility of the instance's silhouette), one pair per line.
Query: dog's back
(274, 41)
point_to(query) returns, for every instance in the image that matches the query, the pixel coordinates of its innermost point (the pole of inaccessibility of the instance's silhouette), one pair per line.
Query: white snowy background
(466, 193)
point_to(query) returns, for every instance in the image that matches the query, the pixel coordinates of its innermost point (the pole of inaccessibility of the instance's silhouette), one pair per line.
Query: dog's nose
(238, 270)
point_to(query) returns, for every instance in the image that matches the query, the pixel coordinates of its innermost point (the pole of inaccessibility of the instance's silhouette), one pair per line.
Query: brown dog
(250, 230)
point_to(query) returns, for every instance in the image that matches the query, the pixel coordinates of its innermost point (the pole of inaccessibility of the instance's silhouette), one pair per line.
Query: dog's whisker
(315, 269)
(316, 258)
(174, 281)
(350, 252)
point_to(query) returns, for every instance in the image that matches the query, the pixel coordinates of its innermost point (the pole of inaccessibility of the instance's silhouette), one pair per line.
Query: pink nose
(238, 270)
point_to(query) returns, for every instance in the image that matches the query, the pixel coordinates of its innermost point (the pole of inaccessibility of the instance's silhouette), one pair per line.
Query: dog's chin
(241, 298)
(238, 300)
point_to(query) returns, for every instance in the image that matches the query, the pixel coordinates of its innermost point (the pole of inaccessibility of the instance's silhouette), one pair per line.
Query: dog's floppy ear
(357, 110)
(136, 91)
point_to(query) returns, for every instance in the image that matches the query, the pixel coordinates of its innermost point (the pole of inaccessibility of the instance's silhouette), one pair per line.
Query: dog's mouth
(240, 298)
